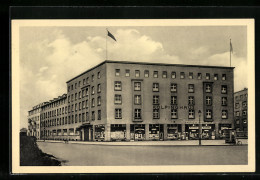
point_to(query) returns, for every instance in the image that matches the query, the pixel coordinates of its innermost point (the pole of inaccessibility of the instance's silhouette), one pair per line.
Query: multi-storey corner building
(240, 105)
(119, 100)
(34, 122)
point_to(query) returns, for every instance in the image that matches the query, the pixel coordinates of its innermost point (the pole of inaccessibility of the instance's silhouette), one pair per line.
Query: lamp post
(199, 129)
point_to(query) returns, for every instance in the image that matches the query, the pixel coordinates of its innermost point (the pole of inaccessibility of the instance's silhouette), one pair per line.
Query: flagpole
(230, 52)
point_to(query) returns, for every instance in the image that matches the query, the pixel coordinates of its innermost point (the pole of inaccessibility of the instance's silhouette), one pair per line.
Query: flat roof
(147, 63)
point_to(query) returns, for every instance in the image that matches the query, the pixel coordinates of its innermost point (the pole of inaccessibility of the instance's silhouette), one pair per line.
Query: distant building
(34, 121)
(119, 100)
(240, 110)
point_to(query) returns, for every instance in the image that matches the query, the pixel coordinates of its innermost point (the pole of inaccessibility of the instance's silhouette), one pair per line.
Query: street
(106, 155)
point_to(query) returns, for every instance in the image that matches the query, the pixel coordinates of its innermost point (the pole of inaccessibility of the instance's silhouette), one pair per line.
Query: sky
(50, 56)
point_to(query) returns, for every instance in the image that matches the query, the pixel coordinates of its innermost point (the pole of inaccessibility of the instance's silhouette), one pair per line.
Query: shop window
(208, 114)
(182, 75)
(224, 114)
(224, 101)
(156, 114)
(98, 75)
(146, 73)
(118, 99)
(199, 76)
(98, 88)
(191, 88)
(99, 100)
(127, 73)
(137, 114)
(173, 75)
(191, 114)
(215, 77)
(191, 100)
(173, 99)
(155, 87)
(164, 74)
(137, 73)
(207, 76)
(190, 75)
(99, 114)
(118, 113)
(137, 86)
(208, 100)
(174, 113)
(173, 87)
(224, 89)
(224, 77)
(93, 116)
(237, 113)
(156, 99)
(155, 74)
(137, 99)
(244, 112)
(118, 85)
(117, 72)
(208, 88)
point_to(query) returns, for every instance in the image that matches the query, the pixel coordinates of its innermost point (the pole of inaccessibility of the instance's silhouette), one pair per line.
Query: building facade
(240, 110)
(34, 122)
(132, 101)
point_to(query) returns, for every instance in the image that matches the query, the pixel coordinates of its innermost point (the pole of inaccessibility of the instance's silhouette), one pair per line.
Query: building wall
(240, 108)
(34, 122)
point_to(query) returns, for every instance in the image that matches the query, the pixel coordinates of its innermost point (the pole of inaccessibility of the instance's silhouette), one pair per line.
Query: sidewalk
(151, 143)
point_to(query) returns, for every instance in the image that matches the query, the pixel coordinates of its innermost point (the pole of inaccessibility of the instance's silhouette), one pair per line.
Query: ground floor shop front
(139, 132)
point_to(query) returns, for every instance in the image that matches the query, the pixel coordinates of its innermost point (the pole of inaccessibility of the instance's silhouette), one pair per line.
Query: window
(98, 75)
(72, 98)
(92, 79)
(182, 75)
(173, 87)
(99, 114)
(86, 103)
(79, 105)
(137, 99)
(79, 94)
(118, 99)
(173, 99)
(156, 100)
(127, 72)
(224, 101)
(68, 99)
(93, 90)
(137, 73)
(237, 105)
(173, 75)
(191, 114)
(76, 96)
(244, 121)
(191, 100)
(155, 74)
(224, 114)
(87, 80)
(66, 110)
(118, 86)
(137, 86)
(156, 114)
(83, 104)
(244, 104)
(207, 76)
(76, 118)
(244, 112)
(224, 77)
(93, 102)
(117, 73)
(241, 97)
(199, 76)
(84, 81)
(99, 88)
(68, 88)
(138, 114)
(72, 107)
(190, 75)
(208, 100)
(146, 73)
(224, 89)
(155, 87)
(208, 114)
(118, 113)
(93, 116)
(215, 77)
(83, 93)
(174, 113)
(208, 88)
(87, 91)
(237, 113)
(75, 85)
(237, 122)
(83, 117)
(87, 116)
(99, 101)
(191, 88)
(164, 74)
(72, 87)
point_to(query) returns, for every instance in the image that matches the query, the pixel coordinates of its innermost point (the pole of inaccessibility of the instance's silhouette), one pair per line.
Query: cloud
(42, 69)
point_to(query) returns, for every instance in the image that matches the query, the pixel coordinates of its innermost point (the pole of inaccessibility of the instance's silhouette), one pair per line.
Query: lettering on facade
(189, 107)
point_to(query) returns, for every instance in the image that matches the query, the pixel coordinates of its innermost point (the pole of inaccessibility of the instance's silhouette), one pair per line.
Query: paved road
(106, 155)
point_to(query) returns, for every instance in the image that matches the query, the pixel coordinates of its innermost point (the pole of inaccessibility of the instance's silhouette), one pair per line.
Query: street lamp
(199, 129)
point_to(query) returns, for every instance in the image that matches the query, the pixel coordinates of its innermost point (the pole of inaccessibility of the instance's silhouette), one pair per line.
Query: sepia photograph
(126, 96)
